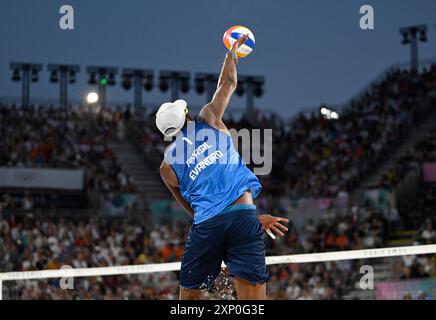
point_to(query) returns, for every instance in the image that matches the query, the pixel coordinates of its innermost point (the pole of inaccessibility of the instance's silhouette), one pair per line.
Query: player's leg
(191, 294)
(250, 291)
(245, 254)
(201, 262)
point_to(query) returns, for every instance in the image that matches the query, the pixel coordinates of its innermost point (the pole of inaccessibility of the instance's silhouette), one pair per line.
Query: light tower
(25, 72)
(103, 77)
(410, 36)
(64, 74)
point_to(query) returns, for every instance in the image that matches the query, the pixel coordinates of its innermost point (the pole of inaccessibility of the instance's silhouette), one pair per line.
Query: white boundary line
(175, 266)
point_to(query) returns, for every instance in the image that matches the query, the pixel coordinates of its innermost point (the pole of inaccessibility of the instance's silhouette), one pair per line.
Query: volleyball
(234, 33)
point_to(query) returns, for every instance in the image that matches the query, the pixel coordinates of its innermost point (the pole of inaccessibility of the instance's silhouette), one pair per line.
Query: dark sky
(309, 51)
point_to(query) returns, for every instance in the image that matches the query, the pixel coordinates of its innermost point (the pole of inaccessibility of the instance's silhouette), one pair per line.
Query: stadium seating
(313, 157)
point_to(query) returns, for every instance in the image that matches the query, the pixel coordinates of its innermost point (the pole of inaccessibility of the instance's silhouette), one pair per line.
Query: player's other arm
(170, 179)
(213, 112)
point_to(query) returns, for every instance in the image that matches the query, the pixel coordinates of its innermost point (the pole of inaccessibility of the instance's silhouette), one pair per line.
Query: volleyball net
(380, 273)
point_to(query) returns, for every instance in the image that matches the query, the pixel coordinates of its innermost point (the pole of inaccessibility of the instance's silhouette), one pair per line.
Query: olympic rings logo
(25, 177)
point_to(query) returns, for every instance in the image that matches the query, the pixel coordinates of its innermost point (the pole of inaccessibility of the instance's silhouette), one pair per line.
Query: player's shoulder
(165, 170)
(169, 149)
(207, 117)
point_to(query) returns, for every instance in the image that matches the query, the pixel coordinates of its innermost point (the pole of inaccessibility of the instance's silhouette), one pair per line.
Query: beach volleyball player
(208, 178)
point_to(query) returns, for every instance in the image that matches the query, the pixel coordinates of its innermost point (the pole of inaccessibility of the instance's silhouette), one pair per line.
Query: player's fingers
(267, 225)
(281, 226)
(277, 231)
(243, 39)
(240, 42)
(236, 44)
(282, 219)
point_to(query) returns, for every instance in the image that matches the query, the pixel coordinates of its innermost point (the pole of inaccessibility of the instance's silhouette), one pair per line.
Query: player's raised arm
(213, 112)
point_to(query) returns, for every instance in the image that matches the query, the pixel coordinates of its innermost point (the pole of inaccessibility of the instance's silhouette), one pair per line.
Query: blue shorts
(234, 236)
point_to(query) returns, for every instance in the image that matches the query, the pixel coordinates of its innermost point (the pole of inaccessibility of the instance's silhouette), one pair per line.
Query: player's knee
(247, 290)
(190, 294)
(246, 282)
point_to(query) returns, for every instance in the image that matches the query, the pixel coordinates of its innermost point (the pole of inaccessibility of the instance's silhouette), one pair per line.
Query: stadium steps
(147, 181)
(402, 238)
(382, 272)
(415, 135)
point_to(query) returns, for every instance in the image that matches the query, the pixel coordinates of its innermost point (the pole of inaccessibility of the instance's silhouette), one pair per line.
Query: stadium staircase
(414, 136)
(401, 238)
(146, 180)
(383, 270)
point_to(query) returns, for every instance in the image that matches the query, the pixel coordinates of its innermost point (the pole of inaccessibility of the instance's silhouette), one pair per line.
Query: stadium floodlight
(405, 38)
(92, 97)
(328, 113)
(148, 82)
(34, 75)
(423, 35)
(16, 75)
(72, 76)
(176, 80)
(106, 77)
(127, 82)
(240, 88)
(410, 36)
(111, 79)
(258, 89)
(141, 78)
(92, 78)
(206, 82)
(334, 115)
(54, 77)
(199, 84)
(250, 86)
(184, 85)
(67, 74)
(163, 84)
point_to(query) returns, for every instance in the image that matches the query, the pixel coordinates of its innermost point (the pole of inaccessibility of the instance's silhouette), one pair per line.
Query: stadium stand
(313, 158)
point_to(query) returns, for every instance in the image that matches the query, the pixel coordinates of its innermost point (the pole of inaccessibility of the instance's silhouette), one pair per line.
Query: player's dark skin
(212, 114)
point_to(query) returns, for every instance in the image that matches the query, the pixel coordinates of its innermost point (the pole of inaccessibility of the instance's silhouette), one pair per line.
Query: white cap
(170, 117)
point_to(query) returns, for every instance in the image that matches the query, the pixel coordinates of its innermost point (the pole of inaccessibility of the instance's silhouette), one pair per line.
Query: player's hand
(239, 42)
(273, 223)
(235, 47)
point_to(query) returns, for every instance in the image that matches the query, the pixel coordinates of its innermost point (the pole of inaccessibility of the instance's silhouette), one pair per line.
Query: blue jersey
(210, 172)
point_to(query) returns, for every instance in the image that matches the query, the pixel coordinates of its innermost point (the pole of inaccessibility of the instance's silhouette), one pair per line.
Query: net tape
(175, 266)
